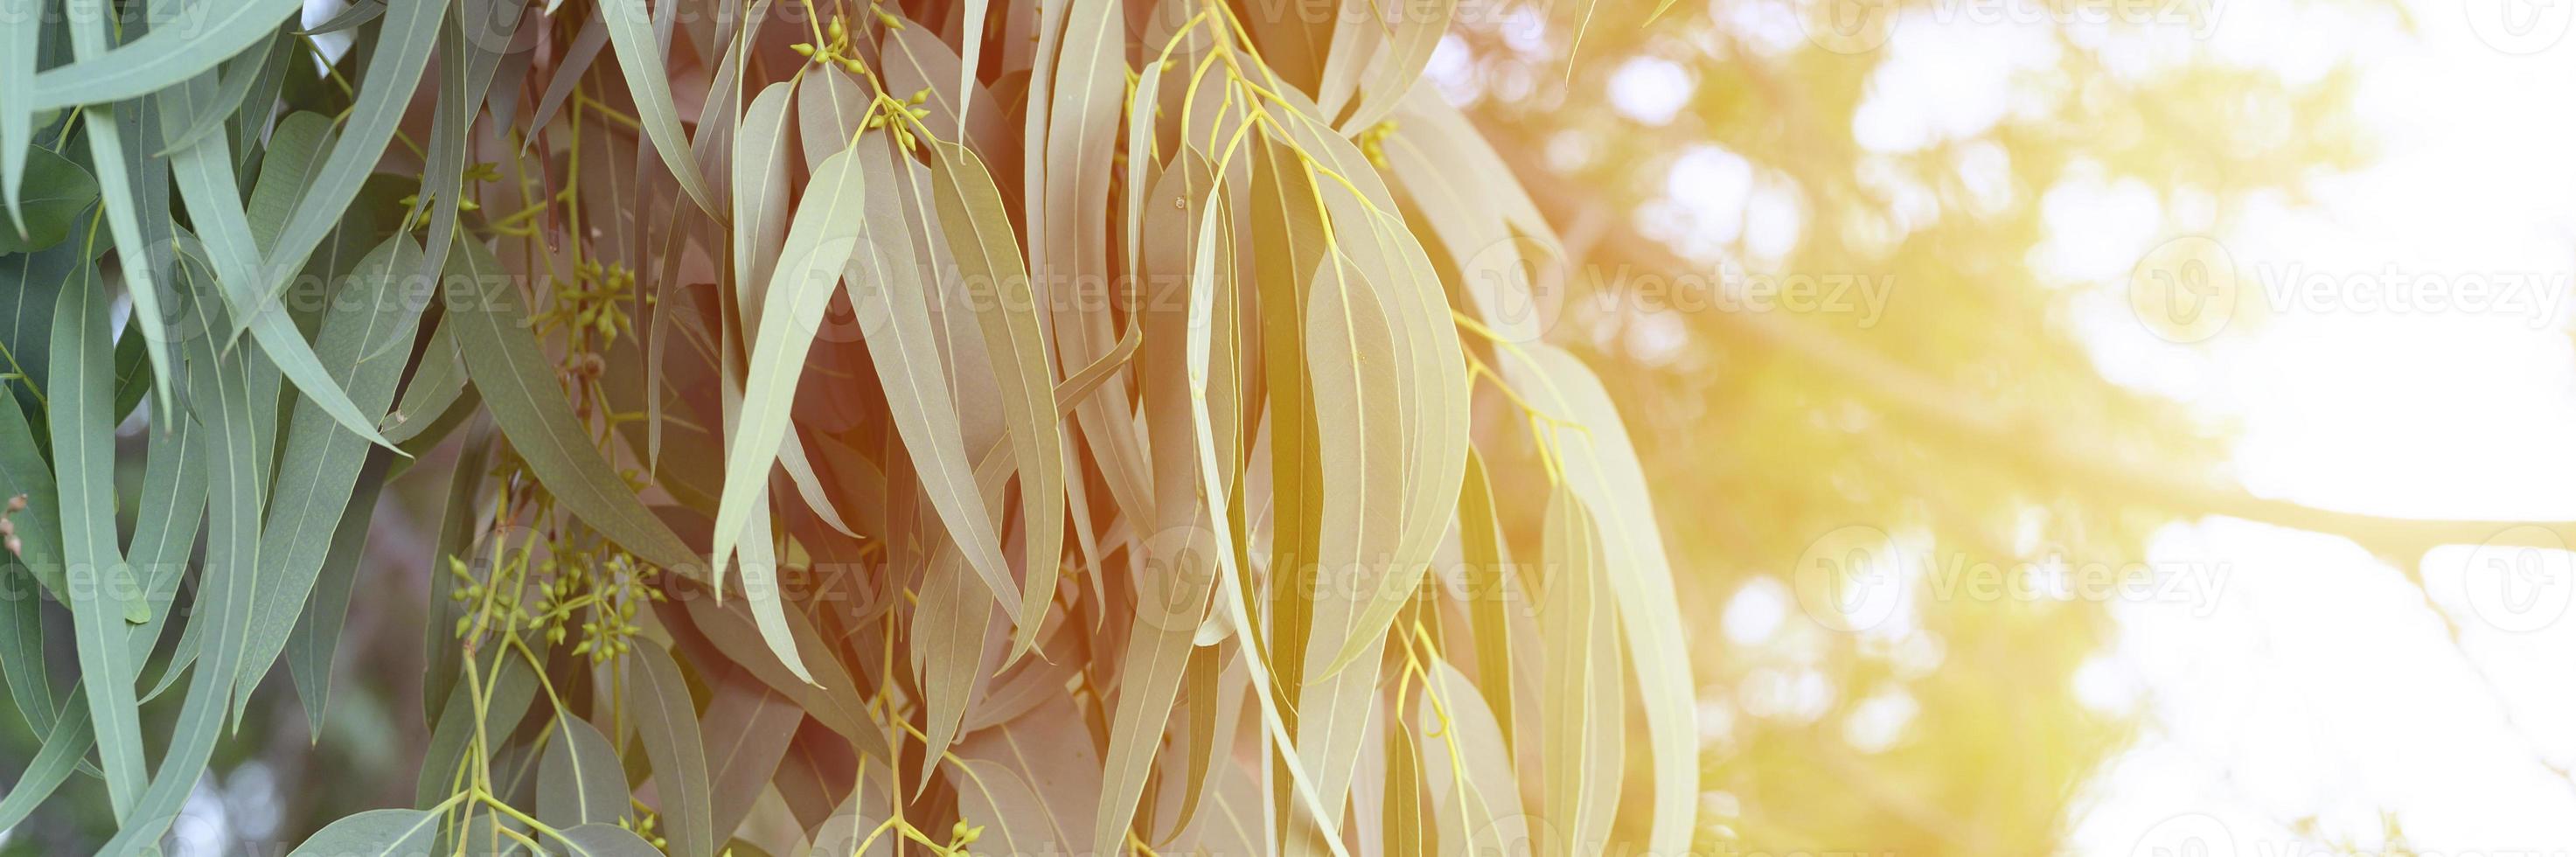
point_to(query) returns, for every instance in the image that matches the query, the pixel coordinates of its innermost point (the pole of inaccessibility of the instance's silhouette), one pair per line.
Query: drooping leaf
(316, 639)
(55, 759)
(668, 722)
(885, 290)
(1581, 748)
(403, 44)
(979, 235)
(630, 29)
(754, 726)
(818, 245)
(1602, 470)
(220, 400)
(98, 586)
(207, 182)
(364, 339)
(126, 210)
(218, 30)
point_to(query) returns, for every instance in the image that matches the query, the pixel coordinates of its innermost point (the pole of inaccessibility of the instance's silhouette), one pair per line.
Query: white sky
(2317, 684)
(2322, 685)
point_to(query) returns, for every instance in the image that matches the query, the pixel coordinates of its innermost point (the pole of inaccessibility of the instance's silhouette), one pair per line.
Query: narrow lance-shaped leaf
(630, 30)
(371, 315)
(979, 235)
(50, 205)
(825, 232)
(206, 180)
(885, 290)
(237, 81)
(1232, 582)
(755, 726)
(21, 25)
(1581, 751)
(55, 759)
(218, 385)
(166, 56)
(98, 586)
(117, 196)
(403, 46)
(1180, 567)
(1601, 468)
(316, 638)
(659, 699)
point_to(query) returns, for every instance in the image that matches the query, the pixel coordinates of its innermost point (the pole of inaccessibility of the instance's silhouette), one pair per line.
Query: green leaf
(99, 588)
(166, 56)
(580, 780)
(374, 833)
(979, 235)
(168, 513)
(56, 758)
(206, 181)
(126, 211)
(435, 388)
(569, 69)
(317, 632)
(20, 32)
(886, 291)
(1180, 560)
(370, 314)
(1480, 547)
(443, 656)
(1467, 768)
(465, 76)
(605, 840)
(393, 73)
(630, 29)
(832, 698)
(518, 383)
(949, 624)
(1069, 242)
(219, 399)
(760, 197)
(246, 69)
(818, 246)
(668, 723)
(755, 725)
(1049, 749)
(1582, 746)
(1601, 468)
(50, 203)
